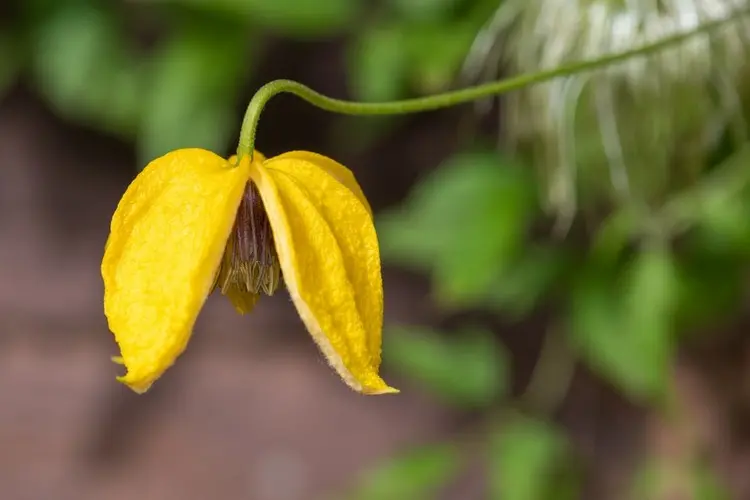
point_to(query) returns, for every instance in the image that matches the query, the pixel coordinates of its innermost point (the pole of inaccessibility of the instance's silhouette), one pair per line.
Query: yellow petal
(337, 170)
(166, 241)
(329, 256)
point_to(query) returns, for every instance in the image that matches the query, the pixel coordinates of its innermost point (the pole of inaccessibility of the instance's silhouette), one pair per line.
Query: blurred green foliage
(657, 479)
(418, 474)
(529, 461)
(622, 323)
(646, 281)
(434, 360)
(170, 73)
(625, 294)
(469, 204)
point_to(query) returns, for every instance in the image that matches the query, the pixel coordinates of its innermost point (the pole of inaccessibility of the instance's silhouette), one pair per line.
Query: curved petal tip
(377, 391)
(139, 387)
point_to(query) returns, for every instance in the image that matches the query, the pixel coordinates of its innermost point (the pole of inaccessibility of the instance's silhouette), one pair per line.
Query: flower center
(250, 261)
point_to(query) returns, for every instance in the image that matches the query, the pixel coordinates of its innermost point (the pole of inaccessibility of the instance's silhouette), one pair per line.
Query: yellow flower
(192, 222)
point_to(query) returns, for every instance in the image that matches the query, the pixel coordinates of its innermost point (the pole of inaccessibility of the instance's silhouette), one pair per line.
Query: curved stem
(447, 99)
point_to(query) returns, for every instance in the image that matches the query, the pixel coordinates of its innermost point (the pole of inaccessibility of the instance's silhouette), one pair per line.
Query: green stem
(447, 99)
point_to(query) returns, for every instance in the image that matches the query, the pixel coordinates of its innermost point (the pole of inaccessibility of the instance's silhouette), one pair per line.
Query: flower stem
(447, 99)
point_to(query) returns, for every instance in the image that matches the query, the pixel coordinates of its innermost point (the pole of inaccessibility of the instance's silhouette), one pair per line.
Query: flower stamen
(250, 264)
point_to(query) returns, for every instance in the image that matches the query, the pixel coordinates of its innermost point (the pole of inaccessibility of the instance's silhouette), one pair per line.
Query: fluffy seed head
(633, 130)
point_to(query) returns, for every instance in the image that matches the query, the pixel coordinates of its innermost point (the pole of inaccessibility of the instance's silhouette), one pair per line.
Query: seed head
(634, 130)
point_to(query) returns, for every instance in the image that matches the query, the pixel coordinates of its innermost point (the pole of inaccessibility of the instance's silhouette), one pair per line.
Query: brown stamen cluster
(250, 261)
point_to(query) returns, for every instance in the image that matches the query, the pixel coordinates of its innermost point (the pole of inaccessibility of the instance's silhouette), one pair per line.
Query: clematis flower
(192, 222)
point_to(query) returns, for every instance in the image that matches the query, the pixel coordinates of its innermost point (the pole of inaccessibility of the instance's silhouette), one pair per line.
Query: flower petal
(167, 239)
(329, 256)
(337, 170)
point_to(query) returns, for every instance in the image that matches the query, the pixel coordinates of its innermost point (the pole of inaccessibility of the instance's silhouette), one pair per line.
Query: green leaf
(122, 111)
(623, 324)
(522, 285)
(707, 485)
(596, 329)
(10, 64)
(615, 233)
(67, 48)
(525, 458)
(466, 223)
(436, 53)
(191, 101)
(724, 222)
(467, 369)
(416, 475)
(425, 10)
(378, 64)
(650, 294)
(291, 17)
(81, 67)
(718, 206)
(712, 286)
(658, 478)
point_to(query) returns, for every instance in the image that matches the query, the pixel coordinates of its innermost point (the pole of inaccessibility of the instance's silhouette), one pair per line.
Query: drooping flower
(192, 222)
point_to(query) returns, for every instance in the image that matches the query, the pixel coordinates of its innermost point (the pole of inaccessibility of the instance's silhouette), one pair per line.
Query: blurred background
(565, 267)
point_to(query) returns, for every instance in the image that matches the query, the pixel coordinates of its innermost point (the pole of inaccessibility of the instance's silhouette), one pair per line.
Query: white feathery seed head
(627, 131)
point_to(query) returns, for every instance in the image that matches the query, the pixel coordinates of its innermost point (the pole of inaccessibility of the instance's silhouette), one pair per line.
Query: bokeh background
(607, 360)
